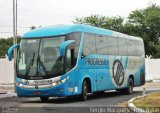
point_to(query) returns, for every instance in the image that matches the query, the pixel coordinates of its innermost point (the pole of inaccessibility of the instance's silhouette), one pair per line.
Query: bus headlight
(60, 81)
(18, 84)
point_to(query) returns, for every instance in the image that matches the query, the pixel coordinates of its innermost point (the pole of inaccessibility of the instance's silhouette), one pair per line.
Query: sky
(53, 12)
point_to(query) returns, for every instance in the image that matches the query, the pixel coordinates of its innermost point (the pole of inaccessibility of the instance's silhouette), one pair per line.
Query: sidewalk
(149, 86)
(7, 95)
(5, 88)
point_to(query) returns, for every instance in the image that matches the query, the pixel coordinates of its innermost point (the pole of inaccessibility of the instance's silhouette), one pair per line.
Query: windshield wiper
(30, 64)
(40, 64)
(58, 62)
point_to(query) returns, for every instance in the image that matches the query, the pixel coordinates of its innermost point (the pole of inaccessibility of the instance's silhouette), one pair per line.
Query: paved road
(95, 103)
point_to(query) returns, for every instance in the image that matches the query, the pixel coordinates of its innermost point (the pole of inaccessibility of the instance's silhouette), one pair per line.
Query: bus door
(101, 73)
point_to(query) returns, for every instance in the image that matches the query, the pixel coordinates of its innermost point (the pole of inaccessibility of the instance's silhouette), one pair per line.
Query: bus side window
(77, 37)
(122, 46)
(131, 48)
(68, 64)
(139, 48)
(89, 44)
(101, 45)
(112, 46)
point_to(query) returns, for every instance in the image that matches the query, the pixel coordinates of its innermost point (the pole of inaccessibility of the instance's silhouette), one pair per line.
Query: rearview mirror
(10, 51)
(64, 45)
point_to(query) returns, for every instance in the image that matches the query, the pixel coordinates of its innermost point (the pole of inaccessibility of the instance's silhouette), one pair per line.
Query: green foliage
(113, 23)
(5, 44)
(144, 23)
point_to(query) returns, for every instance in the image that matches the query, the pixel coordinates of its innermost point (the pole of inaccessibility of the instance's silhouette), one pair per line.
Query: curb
(134, 108)
(8, 95)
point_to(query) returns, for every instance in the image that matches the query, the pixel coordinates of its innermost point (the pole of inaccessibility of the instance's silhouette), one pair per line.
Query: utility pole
(15, 37)
(16, 24)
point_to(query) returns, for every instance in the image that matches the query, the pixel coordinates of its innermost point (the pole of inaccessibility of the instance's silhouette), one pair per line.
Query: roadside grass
(151, 100)
(148, 103)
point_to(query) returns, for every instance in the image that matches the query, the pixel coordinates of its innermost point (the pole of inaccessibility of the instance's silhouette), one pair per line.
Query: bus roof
(65, 29)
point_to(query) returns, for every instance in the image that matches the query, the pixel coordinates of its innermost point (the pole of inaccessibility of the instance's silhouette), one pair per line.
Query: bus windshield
(40, 57)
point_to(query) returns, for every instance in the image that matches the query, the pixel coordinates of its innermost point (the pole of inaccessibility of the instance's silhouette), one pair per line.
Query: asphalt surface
(97, 103)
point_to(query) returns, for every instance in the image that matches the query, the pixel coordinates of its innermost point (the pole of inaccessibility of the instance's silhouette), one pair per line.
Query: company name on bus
(95, 61)
(38, 82)
(42, 82)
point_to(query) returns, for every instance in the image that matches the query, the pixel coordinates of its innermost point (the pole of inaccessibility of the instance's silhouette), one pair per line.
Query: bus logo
(26, 82)
(118, 72)
(36, 86)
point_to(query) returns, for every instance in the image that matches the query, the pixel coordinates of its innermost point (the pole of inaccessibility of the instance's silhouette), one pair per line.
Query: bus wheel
(130, 86)
(84, 91)
(44, 99)
(129, 89)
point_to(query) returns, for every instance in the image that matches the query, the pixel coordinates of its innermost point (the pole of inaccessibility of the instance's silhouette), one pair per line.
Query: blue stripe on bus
(126, 64)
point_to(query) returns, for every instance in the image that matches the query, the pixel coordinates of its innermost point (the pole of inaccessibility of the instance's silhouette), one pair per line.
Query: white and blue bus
(69, 60)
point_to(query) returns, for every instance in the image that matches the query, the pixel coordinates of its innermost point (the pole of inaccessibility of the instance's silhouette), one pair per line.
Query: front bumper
(59, 90)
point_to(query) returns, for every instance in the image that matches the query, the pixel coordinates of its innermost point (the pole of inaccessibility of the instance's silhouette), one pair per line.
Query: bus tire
(44, 99)
(83, 96)
(130, 86)
(129, 89)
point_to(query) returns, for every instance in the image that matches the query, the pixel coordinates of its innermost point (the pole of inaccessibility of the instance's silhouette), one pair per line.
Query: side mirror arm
(10, 51)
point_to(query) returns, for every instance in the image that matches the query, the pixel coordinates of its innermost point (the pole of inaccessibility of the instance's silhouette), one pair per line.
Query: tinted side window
(139, 48)
(131, 48)
(122, 46)
(89, 44)
(101, 45)
(77, 37)
(112, 46)
(68, 60)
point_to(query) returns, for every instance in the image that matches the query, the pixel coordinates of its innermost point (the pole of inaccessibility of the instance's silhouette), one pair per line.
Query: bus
(68, 60)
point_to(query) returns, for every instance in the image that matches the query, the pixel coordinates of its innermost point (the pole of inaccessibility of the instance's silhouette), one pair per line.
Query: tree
(5, 44)
(113, 23)
(145, 23)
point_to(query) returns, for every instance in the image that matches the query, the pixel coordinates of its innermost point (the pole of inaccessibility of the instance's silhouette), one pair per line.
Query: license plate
(36, 93)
